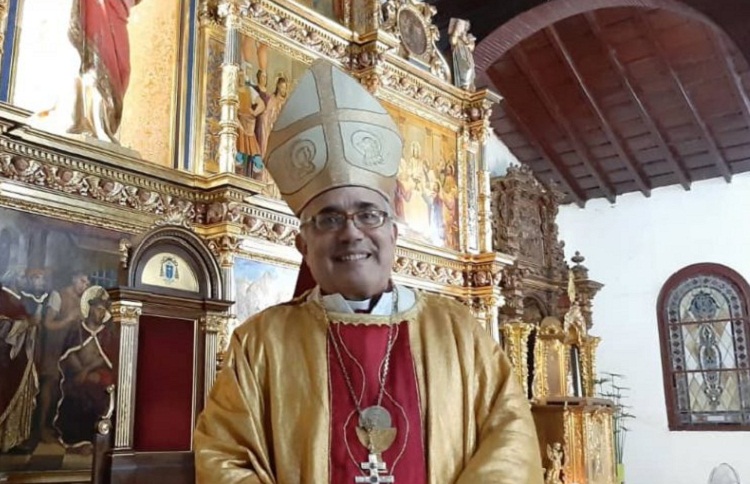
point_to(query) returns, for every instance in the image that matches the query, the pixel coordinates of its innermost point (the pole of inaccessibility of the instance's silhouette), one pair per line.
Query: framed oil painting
(333, 9)
(260, 285)
(144, 40)
(58, 343)
(426, 200)
(267, 76)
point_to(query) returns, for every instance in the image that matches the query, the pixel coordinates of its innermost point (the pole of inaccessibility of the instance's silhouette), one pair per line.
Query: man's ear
(394, 230)
(300, 244)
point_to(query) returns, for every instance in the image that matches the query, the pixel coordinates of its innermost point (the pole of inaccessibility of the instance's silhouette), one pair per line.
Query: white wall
(633, 247)
(497, 156)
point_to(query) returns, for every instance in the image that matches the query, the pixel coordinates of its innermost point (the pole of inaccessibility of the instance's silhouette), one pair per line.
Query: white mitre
(332, 133)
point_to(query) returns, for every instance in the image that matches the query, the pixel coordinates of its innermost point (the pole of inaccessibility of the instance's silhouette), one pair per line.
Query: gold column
(539, 385)
(484, 215)
(214, 325)
(575, 462)
(484, 276)
(516, 339)
(126, 315)
(362, 16)
(229, 10)
(485, 310)
(469, 196)
(588, 365)
(478, 114)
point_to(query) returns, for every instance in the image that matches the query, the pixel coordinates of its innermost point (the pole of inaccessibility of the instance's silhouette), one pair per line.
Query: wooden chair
(172, 321)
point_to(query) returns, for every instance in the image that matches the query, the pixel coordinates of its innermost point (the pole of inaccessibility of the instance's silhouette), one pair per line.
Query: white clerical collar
(336, 303)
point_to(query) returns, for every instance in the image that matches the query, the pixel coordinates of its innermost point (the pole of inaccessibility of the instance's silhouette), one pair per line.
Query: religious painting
(333, 9)
(266, 78)
(107, 71)
(426, 199)
(261, 285)
(58, 343)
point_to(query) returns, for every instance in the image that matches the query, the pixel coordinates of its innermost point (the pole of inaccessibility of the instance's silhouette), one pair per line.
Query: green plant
(610, 387)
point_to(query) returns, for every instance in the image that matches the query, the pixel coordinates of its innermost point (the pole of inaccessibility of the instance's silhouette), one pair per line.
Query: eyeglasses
(335, 221)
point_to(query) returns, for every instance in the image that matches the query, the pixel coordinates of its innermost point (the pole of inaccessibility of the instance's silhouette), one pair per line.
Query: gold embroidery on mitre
(332, 133)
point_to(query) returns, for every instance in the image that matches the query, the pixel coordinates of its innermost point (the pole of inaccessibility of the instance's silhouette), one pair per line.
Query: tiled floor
(46, 457)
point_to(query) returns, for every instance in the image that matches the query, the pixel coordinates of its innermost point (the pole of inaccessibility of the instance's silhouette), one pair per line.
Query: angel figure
(555, 454)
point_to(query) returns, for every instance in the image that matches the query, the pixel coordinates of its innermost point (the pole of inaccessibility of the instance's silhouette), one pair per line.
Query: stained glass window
(703, 314)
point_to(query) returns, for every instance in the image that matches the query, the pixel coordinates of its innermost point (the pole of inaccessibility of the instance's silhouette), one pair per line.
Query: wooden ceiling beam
(555, 162)
(626, 156)
(734, 76)
(542, 146)
(667, 150)
(713, 147)
(551, 105)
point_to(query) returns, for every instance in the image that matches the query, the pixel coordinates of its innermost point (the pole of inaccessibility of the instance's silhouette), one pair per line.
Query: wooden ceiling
(624, 99)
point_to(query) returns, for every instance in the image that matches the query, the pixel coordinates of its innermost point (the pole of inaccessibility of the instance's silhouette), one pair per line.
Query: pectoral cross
(375, 466)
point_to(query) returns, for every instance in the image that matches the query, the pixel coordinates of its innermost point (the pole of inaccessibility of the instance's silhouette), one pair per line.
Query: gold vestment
(267, 419)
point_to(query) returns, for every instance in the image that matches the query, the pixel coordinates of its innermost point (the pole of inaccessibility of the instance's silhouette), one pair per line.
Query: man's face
(80, 284)
(282, 88)
(37, 282)
(353, 262)
(97, 313)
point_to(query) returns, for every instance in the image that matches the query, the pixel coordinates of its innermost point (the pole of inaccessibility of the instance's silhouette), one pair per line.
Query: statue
(555, 455)
(574, 315)
(389, 15)
(462, 45)
(94, 102)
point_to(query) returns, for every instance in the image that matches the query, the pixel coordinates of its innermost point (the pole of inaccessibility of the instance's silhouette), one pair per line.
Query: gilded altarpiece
(230, 57)
(545, 324)
(46, 67)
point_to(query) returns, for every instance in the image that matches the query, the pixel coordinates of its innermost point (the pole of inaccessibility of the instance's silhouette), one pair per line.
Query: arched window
(703, 326)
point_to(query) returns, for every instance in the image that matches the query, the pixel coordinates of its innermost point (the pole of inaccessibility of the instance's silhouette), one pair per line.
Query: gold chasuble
(281, 410)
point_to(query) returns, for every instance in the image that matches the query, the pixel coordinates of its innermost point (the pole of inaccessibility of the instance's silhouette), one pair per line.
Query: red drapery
(104, 25)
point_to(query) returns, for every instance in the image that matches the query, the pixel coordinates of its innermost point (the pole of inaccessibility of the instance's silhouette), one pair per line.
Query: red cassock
(363, 348)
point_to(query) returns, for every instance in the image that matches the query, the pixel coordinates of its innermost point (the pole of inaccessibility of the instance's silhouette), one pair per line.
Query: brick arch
(526, 24)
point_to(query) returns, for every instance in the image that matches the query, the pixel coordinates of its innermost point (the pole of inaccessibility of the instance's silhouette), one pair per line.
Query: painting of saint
(250, 108)
(86, 370)
(426, 197)
(62, 313)
(261, 285)
(266, 78)
(274, 104)
(86, 67)
(47, 270)
(20, 317)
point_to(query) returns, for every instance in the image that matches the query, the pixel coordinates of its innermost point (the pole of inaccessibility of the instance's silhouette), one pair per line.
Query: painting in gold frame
(46, 66)
(426, 199)
(52, 273)
(267, 76)
(261, 285)
(333, 9)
